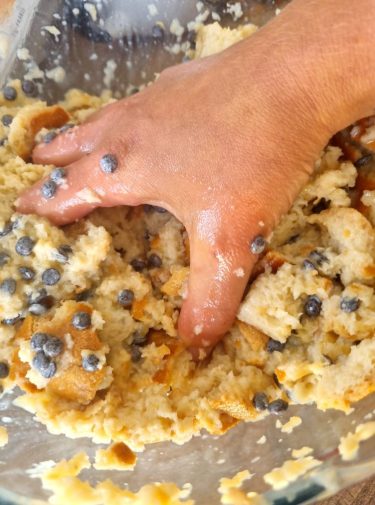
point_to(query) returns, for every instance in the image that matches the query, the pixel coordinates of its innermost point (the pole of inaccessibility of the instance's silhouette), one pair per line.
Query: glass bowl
(126, 36)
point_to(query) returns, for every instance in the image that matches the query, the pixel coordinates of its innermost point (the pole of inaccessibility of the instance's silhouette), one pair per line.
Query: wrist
(334, 57)
(318, 57)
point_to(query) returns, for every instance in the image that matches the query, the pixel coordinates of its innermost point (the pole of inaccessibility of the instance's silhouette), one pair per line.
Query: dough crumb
(176, 28)
(289, 426)
(91, 9)
(349, 445)
(235, 10)
(262, 440)
(23, 54)
(63, 482)
(109, 73)
(4, 438)
(239, 272)
(56, 74)
(53, 30)
(198, 328)
(227, 483)
(152, 10)
(116, 457)
(290, 470)
(231, 494)
(88, 195)
(301, 453)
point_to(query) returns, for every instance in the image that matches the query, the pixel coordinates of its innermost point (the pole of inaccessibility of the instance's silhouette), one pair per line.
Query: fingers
(218, 277)
(69, 146)
(83, 188)
(75, 142)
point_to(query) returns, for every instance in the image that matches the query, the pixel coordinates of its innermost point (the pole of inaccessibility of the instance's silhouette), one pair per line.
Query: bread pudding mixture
(89, 311)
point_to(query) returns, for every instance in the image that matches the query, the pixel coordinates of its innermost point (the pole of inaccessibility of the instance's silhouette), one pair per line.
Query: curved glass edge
(321, 484)
(13, 30)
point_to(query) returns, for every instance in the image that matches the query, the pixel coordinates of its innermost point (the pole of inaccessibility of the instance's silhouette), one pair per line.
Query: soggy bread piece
(29, 121)
(71, 381)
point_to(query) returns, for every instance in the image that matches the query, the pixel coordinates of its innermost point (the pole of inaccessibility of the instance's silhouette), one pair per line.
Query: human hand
(224, 143)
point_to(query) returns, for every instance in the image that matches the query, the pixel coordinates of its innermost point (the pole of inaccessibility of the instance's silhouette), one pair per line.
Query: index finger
(69, 146)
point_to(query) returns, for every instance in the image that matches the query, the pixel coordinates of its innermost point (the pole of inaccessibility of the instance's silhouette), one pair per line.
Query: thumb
(70, 193)
(219, 273)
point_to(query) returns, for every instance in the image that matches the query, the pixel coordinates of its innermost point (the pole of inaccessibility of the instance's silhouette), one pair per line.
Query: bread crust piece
(29, 121)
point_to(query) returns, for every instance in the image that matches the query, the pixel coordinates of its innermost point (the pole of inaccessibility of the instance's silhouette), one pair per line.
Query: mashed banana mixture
(89, 311)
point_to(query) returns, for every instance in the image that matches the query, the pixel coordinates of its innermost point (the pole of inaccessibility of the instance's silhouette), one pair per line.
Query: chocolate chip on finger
(108, 163)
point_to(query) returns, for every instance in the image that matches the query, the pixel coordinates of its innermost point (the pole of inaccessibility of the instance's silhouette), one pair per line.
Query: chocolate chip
(157, 32)
(260, 401)
(139, 338)
(277, 406)
(66, 127)
(11, 321)
(258, 245)
(154, 208)
(45, 366)
(38, 340)
(43, 298)
(24, 246)
(7, 119)
(138, 264)
(53, 347)
(29, 88)
(8, 228)
(37, 309)
(348, 304)
(40, 302)
(83, 296)
(274, 345)
(276, 381)
(58, 175)
(337, 280)
(308, 265)
(321, 205)
(160, 210)
(135, 353)
(318, 257)
(62, 254)
(90, 363)
(49, 372)
(27, 273)
(81, 320)
(48, 189)
(125, 298)
(8, 286)
(9, 93)
(293, 239)
(364, 160)
(4, 370)
(312, 306)
(108, 163)
(154, 261)
(4, 258)
(48, 137)
(3, 141)
(51, 276)
(65, 249)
